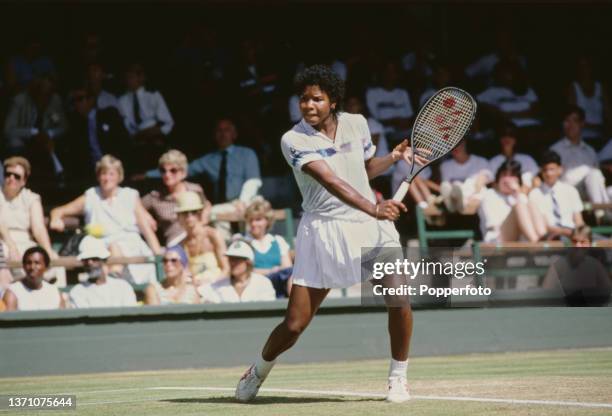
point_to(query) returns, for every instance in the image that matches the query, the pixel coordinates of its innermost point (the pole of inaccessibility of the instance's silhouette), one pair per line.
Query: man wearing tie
(559, 202)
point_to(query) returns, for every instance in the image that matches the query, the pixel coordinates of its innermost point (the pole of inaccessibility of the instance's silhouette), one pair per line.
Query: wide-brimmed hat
(188, 201)
(240, 249)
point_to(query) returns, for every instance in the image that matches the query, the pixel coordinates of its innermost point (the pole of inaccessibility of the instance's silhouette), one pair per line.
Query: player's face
(315, 105)
(551, 173)
(34, 266)
(258, 226)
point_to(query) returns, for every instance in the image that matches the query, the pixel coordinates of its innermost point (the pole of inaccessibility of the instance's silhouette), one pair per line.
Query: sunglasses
(8, 174)
(174, 261)
(171, 170)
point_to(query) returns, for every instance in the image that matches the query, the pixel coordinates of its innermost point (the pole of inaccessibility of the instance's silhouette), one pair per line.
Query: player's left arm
(377, 165)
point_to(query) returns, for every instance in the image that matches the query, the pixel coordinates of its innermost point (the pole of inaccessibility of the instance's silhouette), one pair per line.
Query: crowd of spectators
(74, 135)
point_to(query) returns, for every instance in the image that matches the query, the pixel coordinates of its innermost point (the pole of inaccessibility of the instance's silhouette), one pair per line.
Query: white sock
(263, 367)
(398, 368)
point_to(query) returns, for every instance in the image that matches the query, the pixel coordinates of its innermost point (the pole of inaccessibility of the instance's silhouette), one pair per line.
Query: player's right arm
(322, 173)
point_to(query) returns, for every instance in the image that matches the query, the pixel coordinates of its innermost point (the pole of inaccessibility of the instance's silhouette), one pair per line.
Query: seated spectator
(177, 286)
(204, 245)
(390, 104)
(100, 290)
(464, 179)
(146, 117)
(95, 83)
(21, 210)
(590, 95)
(31, 63)
(161, 202)
(511, 99)
(558, 202)
(441, 79)
(33, 293)
(243, 284)
(271, 251)
(421, 187)
(119, 215)
(381, 183)
(34, 124)
(505, 212)
(8, 252)
(93, 133)
(579, 160)
(507, 142)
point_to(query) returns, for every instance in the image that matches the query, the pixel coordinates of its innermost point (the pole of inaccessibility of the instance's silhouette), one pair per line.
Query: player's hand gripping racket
(439, 127)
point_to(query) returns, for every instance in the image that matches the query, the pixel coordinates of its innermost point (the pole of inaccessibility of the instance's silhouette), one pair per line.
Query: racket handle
(401, 191)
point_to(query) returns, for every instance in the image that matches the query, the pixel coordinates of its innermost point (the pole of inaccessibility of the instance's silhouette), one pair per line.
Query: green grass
(563, 375)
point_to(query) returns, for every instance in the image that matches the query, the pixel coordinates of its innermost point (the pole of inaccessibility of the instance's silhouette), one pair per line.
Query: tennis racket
(439, 127)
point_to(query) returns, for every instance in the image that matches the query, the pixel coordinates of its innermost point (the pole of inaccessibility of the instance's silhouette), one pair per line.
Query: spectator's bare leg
(524, 221)
(115, 251)
(539, 222)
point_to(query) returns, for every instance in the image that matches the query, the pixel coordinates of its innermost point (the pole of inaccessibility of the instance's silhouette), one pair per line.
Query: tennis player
(332, 157)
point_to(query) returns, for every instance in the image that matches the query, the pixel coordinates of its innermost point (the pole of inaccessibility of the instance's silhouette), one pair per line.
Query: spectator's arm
(13, 252)
(10, 300)
(220, 250)
(75, 207)
(39, 231)
(578, 221)
(249, 189)
(162, 114)
(196, 167)
(145, 227)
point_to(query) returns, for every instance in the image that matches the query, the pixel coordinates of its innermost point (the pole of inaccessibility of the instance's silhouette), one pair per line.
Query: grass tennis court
(440, 386)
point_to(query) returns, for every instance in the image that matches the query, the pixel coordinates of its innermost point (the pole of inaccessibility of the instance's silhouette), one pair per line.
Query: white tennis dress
(331, 234)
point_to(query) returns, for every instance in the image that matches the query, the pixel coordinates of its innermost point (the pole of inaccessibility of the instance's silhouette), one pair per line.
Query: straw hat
(188, 201)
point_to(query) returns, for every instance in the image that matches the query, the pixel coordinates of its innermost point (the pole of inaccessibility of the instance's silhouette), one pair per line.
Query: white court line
(379, 395)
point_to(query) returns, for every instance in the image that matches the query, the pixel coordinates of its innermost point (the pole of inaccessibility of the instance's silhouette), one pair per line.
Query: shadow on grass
(268, 400)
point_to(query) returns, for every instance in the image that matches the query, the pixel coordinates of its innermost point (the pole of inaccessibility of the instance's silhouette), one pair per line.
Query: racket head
(440, 125)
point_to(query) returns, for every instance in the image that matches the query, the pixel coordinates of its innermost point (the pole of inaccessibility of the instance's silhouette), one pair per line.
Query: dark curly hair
(326, 79)
(37, 249)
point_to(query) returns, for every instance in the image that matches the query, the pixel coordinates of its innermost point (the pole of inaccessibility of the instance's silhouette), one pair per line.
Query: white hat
(188, 201)
(240, 249)
(92, 248)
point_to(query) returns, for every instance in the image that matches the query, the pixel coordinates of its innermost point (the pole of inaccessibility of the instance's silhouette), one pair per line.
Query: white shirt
(387, 104)
(47, 297)
(451, 170)
(115, 292)
(574, 156)
(529, 167)
(345, 156)
(259, 288)
(493, 211)
(568, 200)
(505, 100)
(401, 172)
(153, 110)
(106, 99)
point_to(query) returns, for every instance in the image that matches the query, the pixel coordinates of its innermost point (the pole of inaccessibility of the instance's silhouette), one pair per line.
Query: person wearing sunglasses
(204, 245)
(160, 203)
(21, 211)
(177, 287)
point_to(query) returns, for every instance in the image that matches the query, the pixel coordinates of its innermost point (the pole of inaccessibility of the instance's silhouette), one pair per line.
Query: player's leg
(303, 304)
(400, 331)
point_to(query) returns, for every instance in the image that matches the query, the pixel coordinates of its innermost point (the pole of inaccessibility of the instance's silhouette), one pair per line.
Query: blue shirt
(242, 164)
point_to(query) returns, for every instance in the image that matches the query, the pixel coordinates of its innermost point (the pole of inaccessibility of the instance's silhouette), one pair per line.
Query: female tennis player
(332, 157)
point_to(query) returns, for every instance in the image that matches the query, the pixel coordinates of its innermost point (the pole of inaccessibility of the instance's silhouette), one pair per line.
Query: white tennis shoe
(248, 386)
(398, 390)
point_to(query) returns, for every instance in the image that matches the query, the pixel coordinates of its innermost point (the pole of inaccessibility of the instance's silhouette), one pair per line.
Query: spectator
(177, 286)
(243, 284)
(271, 251)
(391, 104)
(505, 212)
(558, 202)
(464, 178)
(30, 64)
(32, 292)
(507, 142)
(93, 133)
(95, 83)
(579, 160)
(161, 203)
(33, 126)
(204, 245)
(100, 290)
(422, 188)
(21, 209)
(511, 99)
(146, 117)
(8, 251)
(590, 95)
(118, 213)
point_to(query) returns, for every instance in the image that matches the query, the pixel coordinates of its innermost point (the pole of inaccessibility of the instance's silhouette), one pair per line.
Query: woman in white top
(506, 213)
(177, 287)
(116, 215)
(33, 292)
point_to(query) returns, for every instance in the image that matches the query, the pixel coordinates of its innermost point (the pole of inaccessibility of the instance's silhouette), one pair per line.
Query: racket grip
(401, 191)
